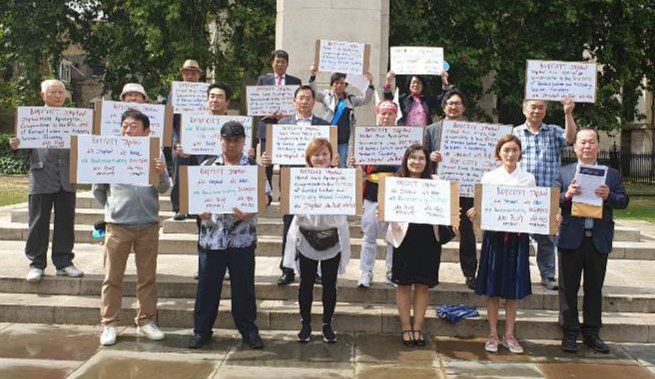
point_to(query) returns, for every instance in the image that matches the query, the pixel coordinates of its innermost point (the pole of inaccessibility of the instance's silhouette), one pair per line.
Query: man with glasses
(454, 105)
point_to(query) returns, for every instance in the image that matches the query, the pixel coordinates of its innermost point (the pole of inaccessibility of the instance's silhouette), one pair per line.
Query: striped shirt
(541, 151)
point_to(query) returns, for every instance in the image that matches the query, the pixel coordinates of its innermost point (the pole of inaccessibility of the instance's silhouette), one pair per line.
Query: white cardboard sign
(201, 134)
(555, 81)
(51, 127)
(416, 60)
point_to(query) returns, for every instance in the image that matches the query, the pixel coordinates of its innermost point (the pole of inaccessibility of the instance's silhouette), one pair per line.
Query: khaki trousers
(119, 242)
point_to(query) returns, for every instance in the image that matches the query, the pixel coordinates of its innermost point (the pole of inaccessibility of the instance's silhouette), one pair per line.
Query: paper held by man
(587, 203)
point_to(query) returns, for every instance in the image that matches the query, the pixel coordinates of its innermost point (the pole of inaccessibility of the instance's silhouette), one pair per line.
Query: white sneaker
(71, 271)
(108, 336)
(366, 279)
(34, 275)
(150, 330)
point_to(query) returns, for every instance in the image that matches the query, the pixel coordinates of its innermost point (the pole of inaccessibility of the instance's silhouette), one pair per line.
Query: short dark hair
(137, 115)
(223, 86)
(304, 87)
(279, 54)
(450, 94)
(420, 79)
(585, 128)
(427, 171)
(336, 76)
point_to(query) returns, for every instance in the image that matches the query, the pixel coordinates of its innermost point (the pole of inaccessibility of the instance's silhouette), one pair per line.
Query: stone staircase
(629, 296)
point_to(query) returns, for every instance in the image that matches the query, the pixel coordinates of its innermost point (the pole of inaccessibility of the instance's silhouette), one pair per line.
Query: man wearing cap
(133, 93)
(227, 241)
(303, 100)
(50, 187)
(279, 77)
(218, 100)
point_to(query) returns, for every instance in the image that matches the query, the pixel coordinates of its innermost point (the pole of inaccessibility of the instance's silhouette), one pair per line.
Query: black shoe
(254, 341)
(285, 279)
(420, 341)
(470, 282)
(594, 342)
(410, 342)
(198, 341)
(179, 216)
(318, 279)
(328, 334)
(305, 333)
(569, 343)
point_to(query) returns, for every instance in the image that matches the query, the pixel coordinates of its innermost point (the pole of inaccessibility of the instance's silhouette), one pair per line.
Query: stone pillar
(301, 22)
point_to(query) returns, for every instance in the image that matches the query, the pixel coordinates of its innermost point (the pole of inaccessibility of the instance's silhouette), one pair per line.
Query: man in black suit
(279, 77)
(304, 100)
(584, 245)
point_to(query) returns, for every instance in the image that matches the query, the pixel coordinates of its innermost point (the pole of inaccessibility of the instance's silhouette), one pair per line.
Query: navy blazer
(572, 229)
(293, 120)
(269, 80)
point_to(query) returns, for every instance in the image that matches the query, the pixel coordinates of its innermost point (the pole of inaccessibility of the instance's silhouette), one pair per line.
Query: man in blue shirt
(542, 144)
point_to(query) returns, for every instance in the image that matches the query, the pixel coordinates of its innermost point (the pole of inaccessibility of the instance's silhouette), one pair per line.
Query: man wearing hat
(133, 93)
(191, 71)
(227, 241)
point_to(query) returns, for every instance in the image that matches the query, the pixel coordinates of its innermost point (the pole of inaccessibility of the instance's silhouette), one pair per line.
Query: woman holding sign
(416, 255)
(417, 108)
(504, 270)
(313, 239)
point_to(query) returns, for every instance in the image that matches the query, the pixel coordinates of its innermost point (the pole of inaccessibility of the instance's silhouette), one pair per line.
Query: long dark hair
(427, 171)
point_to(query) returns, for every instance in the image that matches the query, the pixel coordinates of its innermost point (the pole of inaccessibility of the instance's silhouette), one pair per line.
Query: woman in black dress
(416, 255)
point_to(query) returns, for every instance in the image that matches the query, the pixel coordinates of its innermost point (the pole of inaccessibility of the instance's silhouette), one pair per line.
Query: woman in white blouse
(318, 238)
(504, 270)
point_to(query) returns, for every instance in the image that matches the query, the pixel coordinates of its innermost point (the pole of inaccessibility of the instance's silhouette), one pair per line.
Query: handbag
(446, 234)
(320, 239)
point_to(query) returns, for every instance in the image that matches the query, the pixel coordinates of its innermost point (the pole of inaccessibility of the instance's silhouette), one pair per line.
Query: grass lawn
(13, 189)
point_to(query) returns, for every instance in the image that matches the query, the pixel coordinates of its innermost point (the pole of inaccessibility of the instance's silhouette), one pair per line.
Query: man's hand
(266, 159)
(205, 215)
(243, 216)
(435, 156)
(444, 78)
(574, 189)
(251, 153)
(313, 70)
(391, 76)
(160, 167)
(602, 191)
(568, 105)
(14, 143)
(472, 214)
(369, 76)
(180, 152)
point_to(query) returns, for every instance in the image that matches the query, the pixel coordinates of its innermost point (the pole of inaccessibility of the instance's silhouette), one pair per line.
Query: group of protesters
(530, 156)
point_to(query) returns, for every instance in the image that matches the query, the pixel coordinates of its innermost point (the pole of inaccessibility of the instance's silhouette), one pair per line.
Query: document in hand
(587, 204)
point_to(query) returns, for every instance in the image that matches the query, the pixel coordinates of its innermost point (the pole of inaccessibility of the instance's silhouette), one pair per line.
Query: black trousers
(211, 272)
(63, 237)
(572, 264)
(468, 259)
(175, 189)
(268, 169)
(329, 271)
(286, 219)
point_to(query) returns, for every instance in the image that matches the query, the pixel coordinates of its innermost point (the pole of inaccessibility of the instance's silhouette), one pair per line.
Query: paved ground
(52, 351)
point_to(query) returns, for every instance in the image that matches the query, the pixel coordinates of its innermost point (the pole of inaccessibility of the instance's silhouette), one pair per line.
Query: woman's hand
(266, 159)
(205, 215)
(14, 143)
(472, 214)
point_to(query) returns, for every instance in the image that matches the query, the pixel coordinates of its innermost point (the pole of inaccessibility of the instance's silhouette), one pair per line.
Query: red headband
(386, 105)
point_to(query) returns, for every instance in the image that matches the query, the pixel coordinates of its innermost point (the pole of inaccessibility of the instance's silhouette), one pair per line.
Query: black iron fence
(638, 168)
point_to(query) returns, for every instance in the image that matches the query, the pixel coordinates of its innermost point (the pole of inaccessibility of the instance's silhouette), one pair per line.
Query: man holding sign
(227, 241)
(50, 187)
(542, 144)
(303, 100)
(584, 245)
(132, 217)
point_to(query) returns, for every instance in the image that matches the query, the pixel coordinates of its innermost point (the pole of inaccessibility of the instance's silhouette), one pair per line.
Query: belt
(375, 177)
(588, 233)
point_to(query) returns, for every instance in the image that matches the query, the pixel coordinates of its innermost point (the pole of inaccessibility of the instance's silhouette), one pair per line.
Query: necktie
(279, 80)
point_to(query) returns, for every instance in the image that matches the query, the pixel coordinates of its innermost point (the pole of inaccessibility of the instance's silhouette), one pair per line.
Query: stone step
(85, 200)
(283, 315)
(272, 245)
(83, 216)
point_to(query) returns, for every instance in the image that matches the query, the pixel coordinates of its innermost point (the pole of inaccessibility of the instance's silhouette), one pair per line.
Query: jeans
(342, 149)
(211, 272)
(545, 254)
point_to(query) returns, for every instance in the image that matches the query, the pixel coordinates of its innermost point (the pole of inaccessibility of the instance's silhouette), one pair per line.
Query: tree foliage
(499, 35)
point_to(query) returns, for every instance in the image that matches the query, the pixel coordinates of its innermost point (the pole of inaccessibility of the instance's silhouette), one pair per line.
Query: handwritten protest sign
(384, 145)
(267, 100)
(422, 201)
(189, 97)
(287, 143)
(555, 80)
(416, 60)
(107, 119)
(467, 152)
(341, 56)
(201, 134)
(51, 127)
(220, 189)
(114, 160)
(517, 209)
(320, 191)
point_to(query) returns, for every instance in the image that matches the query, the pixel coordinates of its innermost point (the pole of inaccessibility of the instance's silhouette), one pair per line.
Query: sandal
(420, 341)
(410, 342)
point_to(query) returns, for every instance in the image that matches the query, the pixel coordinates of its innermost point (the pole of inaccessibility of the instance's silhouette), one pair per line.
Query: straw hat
(191, 64)
(133, 87)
